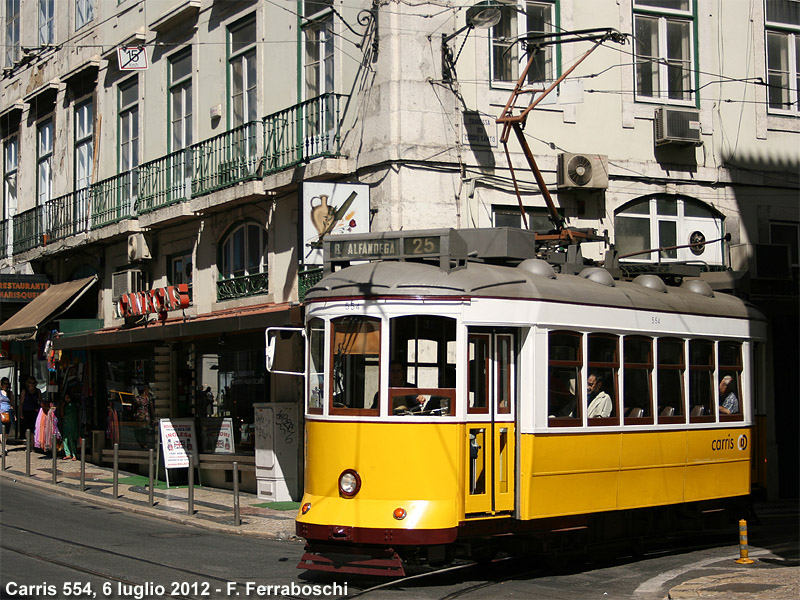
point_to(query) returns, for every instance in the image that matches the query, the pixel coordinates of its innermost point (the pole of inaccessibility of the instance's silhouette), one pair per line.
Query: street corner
(752, 583)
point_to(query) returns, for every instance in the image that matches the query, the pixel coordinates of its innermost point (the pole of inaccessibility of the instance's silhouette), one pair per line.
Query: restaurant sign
(159, 300)
(22, 288)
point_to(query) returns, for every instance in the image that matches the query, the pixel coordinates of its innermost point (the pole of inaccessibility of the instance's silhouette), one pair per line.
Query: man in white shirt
(600, 404)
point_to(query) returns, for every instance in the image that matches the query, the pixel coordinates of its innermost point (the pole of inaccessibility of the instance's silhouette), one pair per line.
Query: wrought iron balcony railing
(242, 286)
(279, 141)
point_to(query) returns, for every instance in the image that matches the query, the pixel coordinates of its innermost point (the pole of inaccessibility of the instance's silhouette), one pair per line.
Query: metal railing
(307, 278)
(242, 286)
(303, 132)
(4, 238)
(311, 129)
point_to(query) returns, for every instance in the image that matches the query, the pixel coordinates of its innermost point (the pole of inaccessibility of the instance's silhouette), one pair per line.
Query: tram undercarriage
(555, 540)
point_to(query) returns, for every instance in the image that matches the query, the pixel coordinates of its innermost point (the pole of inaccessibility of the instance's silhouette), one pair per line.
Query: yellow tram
(452, 399)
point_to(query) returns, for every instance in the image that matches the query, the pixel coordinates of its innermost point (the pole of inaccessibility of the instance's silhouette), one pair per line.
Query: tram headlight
(349, 483)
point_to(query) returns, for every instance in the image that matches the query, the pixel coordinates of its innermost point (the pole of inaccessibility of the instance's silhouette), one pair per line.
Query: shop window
(701, 381)
(131, 402)
(671, 368)
(731, 396)
(355, 370)
(422, 356)
(565, 360)
(637, 397)
(242, 262)
(601, 383)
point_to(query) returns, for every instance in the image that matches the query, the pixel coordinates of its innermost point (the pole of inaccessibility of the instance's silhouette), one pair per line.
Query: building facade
(160, 143)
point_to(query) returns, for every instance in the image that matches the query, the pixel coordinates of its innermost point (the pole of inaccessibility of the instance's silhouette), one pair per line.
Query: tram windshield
(355, 353)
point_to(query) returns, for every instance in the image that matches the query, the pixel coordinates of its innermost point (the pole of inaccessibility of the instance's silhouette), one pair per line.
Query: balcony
(280, 141)
(242, 286)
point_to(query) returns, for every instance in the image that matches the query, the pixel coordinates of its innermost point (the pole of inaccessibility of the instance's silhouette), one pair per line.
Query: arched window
(665, 221)
(242, 262)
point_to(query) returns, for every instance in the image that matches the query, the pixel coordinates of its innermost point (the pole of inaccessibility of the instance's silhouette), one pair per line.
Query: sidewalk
(213, 508)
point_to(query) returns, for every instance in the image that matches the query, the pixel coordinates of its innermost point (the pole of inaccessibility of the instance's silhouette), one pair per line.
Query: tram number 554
(655, 320)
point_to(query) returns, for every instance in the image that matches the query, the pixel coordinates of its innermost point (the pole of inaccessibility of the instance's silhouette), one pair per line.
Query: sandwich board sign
(178, 444)
(132, 58)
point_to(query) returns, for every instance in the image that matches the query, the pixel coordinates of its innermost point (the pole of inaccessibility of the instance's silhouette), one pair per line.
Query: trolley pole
(743, 548)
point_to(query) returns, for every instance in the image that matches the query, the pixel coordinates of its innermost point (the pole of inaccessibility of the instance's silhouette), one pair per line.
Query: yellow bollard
(743, 551)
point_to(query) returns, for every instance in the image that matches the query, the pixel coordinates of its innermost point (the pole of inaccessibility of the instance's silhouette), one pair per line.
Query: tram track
(47, 558)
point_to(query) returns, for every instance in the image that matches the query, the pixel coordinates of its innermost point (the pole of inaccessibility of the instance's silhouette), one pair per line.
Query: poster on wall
(331, 209)
(217, 435)
(178, 442)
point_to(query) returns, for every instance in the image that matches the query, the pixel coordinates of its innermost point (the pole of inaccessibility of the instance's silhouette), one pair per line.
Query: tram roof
(530, 280)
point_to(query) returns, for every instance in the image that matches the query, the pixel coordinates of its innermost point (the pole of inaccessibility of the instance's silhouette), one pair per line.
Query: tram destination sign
(385, 248)
(445, 245)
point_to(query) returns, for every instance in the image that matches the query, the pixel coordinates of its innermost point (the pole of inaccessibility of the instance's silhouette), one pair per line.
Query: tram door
(490, 423)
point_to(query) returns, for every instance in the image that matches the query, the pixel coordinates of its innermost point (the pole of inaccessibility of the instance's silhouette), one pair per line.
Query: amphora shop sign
(159, 300)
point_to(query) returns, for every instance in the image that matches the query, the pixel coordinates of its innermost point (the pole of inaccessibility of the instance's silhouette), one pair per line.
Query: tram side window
(422, 355)
(316, 375)
(565, 359)
(730, 389)
(478, 398)
(601, 384)
(671, 366)
(637, 355)
(355, 354)
(701, 383)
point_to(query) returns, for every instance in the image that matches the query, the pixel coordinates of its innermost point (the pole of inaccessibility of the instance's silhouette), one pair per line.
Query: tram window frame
(473, 371)
(696, 369)
(504, 374)
(609, 370)
(664, 367)
(735, 370)
(631, 367)
(315, 331)
(367, 343)
(562, 364)
(407, 350)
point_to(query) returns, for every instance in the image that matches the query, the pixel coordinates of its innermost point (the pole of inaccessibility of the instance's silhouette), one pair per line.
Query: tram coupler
(743, 549)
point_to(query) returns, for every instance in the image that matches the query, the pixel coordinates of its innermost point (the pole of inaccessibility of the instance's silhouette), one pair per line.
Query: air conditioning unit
(138, 249)
(582, 171)
(125, 282)
(763, 261)
(677, 126)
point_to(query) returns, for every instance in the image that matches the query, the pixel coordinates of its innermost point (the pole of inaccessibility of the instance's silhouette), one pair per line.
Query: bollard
(150, 476)
(28, 453)
(743, 550)
(83, 464)
(116, 470)
(190, 506)
(236, 520)
(3, 451)
(54, 450)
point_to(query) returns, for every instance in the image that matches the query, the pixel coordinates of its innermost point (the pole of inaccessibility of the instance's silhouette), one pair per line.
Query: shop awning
(239, 320)
(54, 301)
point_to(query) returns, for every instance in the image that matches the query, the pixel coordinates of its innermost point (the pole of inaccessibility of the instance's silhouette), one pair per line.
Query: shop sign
(22, 288)
(159, 300)
(217, 435)
(178, 442)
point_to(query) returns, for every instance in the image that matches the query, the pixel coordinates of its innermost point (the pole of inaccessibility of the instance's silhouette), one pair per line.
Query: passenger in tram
(728, 402)
(397, 379)
(600, 404)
